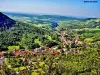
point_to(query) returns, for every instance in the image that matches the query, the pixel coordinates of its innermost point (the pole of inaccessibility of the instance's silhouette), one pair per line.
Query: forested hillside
(25, 36)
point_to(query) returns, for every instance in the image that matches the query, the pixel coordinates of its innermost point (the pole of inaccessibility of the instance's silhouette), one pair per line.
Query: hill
(5, 21)
(23, 35)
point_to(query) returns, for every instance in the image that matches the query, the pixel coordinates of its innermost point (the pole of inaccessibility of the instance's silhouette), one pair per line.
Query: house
(2, 58)
(1, 54)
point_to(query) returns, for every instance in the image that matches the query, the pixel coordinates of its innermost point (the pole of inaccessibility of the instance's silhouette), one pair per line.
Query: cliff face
(5, 21)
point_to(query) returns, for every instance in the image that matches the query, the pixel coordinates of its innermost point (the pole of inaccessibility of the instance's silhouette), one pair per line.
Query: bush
(13, 47)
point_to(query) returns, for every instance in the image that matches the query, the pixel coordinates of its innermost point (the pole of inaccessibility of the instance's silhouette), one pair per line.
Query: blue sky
(59, 7)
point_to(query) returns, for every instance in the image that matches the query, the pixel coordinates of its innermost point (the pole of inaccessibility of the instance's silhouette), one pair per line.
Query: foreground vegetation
(86, 63)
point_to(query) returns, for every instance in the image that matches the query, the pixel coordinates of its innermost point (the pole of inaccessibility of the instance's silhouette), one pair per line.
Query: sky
(77, 8)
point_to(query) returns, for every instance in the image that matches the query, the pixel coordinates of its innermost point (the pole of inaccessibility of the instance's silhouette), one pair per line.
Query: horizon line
(34, 13)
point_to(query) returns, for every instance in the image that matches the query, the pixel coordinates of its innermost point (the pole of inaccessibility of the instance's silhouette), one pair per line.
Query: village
(54, 50)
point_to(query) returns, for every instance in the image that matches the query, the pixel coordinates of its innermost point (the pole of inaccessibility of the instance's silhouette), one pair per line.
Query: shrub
(13, 47)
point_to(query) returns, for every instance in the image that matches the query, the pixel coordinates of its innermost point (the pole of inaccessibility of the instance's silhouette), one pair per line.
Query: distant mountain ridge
(53, 17)
(5, 21)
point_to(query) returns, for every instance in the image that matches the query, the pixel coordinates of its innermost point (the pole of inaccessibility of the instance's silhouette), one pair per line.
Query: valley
(49, 45)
